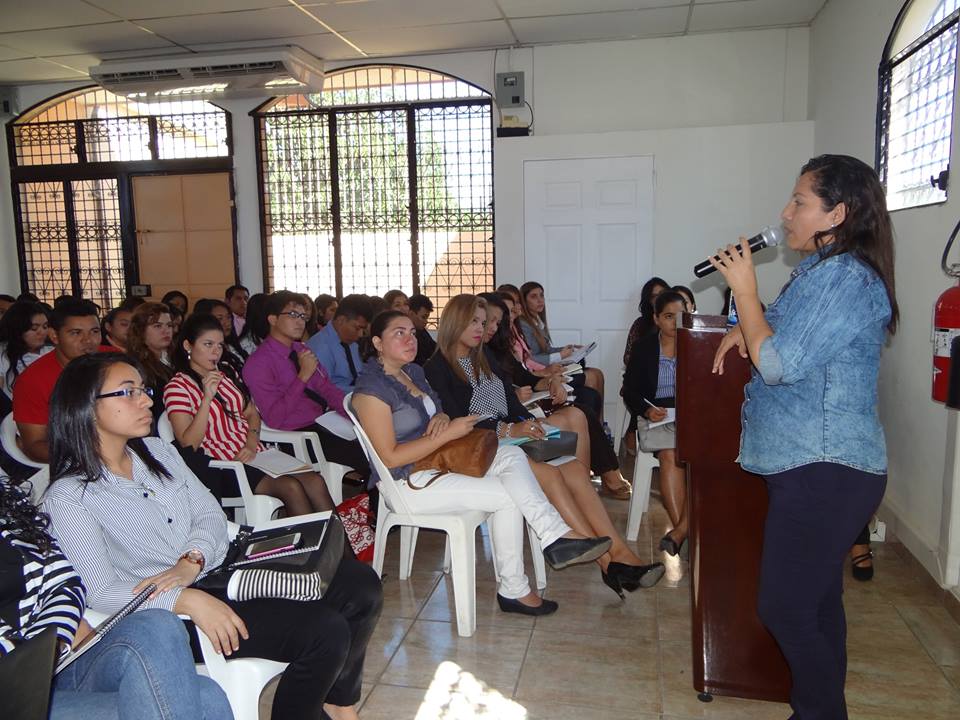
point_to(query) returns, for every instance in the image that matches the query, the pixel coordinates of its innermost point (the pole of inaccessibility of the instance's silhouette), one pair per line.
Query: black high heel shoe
(620, 576)
(669, 545)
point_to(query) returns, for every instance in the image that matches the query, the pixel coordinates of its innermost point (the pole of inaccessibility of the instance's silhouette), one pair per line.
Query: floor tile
(493, 655)
(952, 673)
(406, 598)
(603, 672)
(389, 702)
(872, 696)
(936, 630)
(537, 710)
(384, 643)
(441, 606)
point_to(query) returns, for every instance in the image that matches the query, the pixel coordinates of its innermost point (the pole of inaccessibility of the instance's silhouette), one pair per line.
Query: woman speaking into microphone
(810, 421)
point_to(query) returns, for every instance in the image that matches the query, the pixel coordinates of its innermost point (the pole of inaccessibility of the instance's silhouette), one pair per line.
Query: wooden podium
(733, 654)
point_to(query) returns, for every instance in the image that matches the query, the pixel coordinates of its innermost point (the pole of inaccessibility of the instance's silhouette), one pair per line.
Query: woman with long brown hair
(468, 384)
(149, 341)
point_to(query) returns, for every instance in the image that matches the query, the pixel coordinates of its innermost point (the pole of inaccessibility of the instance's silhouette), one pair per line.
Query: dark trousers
(814, 516)
(324, 641)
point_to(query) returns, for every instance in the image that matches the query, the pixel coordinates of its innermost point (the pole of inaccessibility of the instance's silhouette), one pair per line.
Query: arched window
(915, 103)
(383, 180)
(72, 159)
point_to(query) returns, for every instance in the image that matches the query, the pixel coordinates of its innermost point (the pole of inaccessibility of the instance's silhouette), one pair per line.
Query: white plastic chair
(300, 440)
(256, 509)
(643, 466)
(460, 527)
(8, 436)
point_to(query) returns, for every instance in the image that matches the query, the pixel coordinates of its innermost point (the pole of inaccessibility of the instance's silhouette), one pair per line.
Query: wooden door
(185, 234)
(588, 239)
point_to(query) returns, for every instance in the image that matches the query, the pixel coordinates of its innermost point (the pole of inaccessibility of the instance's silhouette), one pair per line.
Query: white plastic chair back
(8, 436)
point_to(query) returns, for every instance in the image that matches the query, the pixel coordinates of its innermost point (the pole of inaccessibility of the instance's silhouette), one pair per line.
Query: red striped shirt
(226, 430)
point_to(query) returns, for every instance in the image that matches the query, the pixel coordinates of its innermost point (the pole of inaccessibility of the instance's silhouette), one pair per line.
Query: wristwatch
(195, 557)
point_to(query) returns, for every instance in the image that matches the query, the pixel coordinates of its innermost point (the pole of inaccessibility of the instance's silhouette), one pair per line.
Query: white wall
(846, 44)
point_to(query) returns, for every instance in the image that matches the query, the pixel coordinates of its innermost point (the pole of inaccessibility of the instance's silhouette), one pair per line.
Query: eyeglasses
(134, 393)
(296, 315)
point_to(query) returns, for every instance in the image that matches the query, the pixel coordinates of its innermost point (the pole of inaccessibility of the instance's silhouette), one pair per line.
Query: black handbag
(552, 447)
(302, 573)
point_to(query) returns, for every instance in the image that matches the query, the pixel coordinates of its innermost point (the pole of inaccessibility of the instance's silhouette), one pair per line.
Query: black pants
(324, 641)
(814, 516)
(602, 457)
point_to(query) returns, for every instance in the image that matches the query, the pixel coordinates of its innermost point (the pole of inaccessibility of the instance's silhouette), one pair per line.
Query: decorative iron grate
(375, 198)
(915, 112)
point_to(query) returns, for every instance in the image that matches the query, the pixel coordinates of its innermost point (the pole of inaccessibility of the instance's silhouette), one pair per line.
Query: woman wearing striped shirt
(127, 512)
(649, 386)
(143, 665)
(208, 410)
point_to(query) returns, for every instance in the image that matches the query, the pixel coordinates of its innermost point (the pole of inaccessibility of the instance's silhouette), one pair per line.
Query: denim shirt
(410, 417)
(813, 396)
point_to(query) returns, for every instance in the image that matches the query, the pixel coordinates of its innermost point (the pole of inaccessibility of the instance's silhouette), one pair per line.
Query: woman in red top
(210, 410)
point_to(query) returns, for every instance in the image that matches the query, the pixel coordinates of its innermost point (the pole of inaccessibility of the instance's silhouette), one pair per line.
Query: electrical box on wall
(8, 101)
(509, 89)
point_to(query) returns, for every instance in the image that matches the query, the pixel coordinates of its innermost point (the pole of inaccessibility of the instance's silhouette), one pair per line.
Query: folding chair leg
(408, 546)
(463, 570)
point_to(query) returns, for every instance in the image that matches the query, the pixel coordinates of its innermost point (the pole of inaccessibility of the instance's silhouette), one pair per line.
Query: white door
(588, 239)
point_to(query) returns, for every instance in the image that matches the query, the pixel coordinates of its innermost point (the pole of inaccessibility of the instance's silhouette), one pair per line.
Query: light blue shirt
(331, 354)
(813, 397)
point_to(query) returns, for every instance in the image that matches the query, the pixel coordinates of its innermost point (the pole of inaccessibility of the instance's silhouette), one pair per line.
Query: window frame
(888, 63)
(330, 112)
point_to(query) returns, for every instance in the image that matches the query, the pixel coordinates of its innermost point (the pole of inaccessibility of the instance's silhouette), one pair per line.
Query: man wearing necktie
(336, 344)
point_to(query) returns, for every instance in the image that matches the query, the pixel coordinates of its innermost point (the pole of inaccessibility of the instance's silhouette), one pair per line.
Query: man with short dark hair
(289, 386)
(237, 297)
(74, 331)
(5, 302)
(336, 345)
(420, 308)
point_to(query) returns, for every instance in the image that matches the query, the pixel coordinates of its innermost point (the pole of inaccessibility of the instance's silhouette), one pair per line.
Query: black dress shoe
(546, 607)
(637, 576)
(567, 551)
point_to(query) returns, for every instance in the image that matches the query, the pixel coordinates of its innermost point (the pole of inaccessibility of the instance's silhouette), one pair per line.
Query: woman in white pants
(402, 416)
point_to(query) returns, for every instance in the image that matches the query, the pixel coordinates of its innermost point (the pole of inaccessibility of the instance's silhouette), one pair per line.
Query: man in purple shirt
(291, 388)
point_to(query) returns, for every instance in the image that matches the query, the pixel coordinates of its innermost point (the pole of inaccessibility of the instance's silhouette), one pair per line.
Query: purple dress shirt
(279, 393)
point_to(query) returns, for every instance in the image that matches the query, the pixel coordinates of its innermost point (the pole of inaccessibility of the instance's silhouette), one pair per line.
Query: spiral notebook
(106, 626)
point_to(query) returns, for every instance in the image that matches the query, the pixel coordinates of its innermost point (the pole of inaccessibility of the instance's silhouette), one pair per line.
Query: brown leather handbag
(470, 455)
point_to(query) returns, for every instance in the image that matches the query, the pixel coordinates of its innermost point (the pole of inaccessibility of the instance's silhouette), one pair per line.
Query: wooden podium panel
(733, 654)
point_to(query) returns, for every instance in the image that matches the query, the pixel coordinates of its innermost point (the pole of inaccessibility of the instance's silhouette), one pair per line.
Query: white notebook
(275, 463)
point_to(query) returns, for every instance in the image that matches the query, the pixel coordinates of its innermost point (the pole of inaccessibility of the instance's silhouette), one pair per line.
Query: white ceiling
(42, 40)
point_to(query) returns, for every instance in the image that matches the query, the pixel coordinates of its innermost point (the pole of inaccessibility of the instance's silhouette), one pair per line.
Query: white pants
(510, 491)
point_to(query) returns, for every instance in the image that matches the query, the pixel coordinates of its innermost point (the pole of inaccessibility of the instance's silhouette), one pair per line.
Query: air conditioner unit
(259, 72)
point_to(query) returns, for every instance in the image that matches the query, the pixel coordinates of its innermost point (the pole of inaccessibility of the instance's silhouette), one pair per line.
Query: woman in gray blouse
(405, 422)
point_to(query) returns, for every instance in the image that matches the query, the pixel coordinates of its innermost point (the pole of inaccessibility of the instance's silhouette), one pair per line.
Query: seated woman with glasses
(462, 376)
(210, 410)
(405, 422)
(127, 513)
(142, 669)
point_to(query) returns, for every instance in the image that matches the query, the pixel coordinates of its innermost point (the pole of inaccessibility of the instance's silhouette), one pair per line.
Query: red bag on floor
(355, 515)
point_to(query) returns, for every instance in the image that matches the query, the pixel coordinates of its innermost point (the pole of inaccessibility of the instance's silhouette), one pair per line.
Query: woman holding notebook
(128, 512)
(143, 665)
(208, 410)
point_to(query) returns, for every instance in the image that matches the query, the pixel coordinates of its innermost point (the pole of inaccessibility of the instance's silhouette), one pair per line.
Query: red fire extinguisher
(946, 325)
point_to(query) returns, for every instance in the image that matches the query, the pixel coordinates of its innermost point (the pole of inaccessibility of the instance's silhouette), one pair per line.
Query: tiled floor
(600, 658)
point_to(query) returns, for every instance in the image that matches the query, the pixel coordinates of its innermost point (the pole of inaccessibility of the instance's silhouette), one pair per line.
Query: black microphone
(768, 237)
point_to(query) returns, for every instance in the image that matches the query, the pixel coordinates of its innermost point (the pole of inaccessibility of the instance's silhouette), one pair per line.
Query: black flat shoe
(546, 607)
(620, 576)
(669, 545)
(567, 551)
(861, 572)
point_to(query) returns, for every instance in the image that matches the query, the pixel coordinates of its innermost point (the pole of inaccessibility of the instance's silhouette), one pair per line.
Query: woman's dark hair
(72, 430)
(20, 517)
(16, 321)
(321, 303)
(646, 303)
(256, 327)
(205, 306)
(684, 290)
(174, 295)
(382, 320)
(193, 327)
(665, 298)
(865, 232)
(501, 342)
(28, 297)
(155, 372)
(541, 334)
(391, 295)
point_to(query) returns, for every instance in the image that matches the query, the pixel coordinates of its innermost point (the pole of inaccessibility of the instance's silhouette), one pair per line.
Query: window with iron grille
(915, 103)
(70, 159)
(383, 180)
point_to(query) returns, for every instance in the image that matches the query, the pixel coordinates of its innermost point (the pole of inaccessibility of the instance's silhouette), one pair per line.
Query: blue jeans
(142, 670)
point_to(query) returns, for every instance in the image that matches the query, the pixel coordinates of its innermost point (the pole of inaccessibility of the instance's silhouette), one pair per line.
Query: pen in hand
(655, 407)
